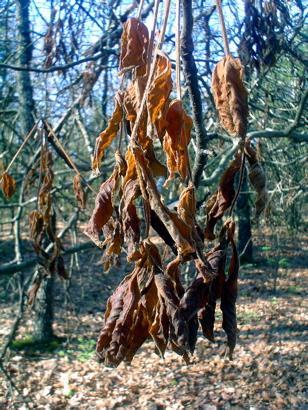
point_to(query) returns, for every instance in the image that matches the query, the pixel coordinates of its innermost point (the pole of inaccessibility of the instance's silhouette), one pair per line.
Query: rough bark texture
(191, 78)
(25, 90)
(244, 224)
(42, 329)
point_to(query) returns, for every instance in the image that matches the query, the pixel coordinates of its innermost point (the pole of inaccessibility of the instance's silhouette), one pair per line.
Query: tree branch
(58, 67)
(191, 77)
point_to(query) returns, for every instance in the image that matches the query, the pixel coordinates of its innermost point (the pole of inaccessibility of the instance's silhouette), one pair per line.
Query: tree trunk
(24, 86)
(42, 328)
(244, 224)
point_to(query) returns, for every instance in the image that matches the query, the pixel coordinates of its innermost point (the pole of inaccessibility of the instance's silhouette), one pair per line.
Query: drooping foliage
(151, 301)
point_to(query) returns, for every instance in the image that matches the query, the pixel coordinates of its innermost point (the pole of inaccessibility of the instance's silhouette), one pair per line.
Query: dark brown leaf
(103, 208)
(222, 199)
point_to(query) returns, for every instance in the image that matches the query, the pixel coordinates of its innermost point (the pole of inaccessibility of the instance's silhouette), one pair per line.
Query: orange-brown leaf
(177, 138)
(187, 205)
(79, 191)
(159, 92)
(134, 46)
(106, 137)
(8, 184)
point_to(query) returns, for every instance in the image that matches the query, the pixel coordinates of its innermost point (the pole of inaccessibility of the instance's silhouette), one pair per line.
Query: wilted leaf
(130, 219)
(106, 137)
(113, 241)
(230, 95)
(157, 168)
(36, 222)
(134, 46)
(177, 138)
(229, 294)
(103, 209)
(8, 184)
(187, 205)
(44, 197)
(222, 199)
(159, 92)
(79, 191)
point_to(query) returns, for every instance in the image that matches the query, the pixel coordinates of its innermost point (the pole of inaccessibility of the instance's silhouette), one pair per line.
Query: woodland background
(59, 62)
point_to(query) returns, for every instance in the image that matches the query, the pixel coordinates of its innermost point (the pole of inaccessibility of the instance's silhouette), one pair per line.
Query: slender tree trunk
(42, 327)
(24, 86)
(42, 330)
(43, 320)
(244, 224)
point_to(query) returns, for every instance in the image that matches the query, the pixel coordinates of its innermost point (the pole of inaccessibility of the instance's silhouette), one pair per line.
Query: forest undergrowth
(268, 370)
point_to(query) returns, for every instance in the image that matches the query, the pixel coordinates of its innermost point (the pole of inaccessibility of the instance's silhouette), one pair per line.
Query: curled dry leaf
(222, 199)
(145, 304)
(79, 191)
(8, 184)
(106, 137)
(131, 171)
(113, 241)
(229, 293)
(257, 178)
(134, 46)
(36, 222)
(187, 205)
(230, 95)
(159, 91)
(103, 209)
(44, 197)
(176, 139)
(157, 168)
(131, 223)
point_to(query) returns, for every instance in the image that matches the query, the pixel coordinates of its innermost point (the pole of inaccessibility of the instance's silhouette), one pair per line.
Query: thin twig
(69, 159)
(30, 134)
(223, 27)
(178, 49)
(140, 9)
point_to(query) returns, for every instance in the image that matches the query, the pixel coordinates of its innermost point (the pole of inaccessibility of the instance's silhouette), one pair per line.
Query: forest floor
(268, 370)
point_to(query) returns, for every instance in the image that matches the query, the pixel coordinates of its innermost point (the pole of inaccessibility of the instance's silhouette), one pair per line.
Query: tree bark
(42, 329)
(191, 78)
(42, 325)
(25, 48)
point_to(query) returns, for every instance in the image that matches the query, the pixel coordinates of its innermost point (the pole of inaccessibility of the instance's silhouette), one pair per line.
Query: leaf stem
(178, 49)
(223, 27)
(30, 134)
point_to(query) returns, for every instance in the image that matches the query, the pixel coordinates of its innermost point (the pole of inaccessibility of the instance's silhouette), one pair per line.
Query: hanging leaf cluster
(43, 226)
(264, 35)
(231, 101)
(151, 301)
